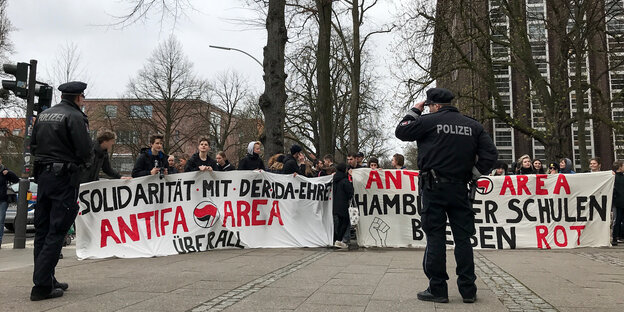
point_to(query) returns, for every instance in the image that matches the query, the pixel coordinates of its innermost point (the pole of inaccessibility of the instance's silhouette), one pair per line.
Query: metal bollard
(19, 242)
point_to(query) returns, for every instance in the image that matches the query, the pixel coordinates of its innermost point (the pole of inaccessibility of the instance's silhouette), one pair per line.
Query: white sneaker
(343, 245)
(337, 244)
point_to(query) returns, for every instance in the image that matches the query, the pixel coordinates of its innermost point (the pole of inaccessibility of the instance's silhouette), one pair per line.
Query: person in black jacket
(451, 147)
(295, 161)
(223, 164)
(618, 200)
(6, 176)
(172, 165)
(152, 160)
(105, 141)
(343, 192)
(200, 161)
(252, 160)
(61, 145)
(525, 165)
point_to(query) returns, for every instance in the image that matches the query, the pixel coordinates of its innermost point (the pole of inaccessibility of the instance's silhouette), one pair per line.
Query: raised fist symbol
(379, 231)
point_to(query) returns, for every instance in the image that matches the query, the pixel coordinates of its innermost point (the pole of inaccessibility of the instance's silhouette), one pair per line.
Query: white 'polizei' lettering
(454, 129)
(56, 117)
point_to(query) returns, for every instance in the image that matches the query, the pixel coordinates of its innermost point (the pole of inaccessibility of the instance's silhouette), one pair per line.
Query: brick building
(12, 142)
(182, 123)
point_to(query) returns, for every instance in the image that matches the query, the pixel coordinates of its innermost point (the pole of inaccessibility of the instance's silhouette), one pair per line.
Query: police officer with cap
(449, 146)
(61, 145)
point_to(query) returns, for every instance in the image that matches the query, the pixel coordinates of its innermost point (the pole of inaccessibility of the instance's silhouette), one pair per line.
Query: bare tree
(9, 105)
(142, 9)
(354, 49)
(480, 43)
(273, 100)
(166, 95)
(303, 110)
(231, 95)
(68, 66)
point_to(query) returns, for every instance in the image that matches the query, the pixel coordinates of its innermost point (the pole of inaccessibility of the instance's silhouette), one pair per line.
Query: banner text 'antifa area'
(510, 211)
(195, 214)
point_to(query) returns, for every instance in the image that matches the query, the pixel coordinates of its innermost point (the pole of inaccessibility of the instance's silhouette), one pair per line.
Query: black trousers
(56, 210)
(448, 199)
(341, 225)
(617, 225)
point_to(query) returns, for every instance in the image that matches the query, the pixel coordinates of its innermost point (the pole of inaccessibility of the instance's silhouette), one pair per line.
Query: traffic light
(19, 85)
(44, 92)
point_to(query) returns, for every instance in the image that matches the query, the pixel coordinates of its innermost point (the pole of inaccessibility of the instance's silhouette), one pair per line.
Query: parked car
(12, 192)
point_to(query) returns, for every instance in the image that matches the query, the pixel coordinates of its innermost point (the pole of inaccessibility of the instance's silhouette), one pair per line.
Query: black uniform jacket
(194, 162)
(251, 162)
(448, 142)
(100, 162)
(146, 162)
(61, 135)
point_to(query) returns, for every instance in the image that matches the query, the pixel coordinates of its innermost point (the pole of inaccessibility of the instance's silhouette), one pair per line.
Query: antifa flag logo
(484, 186)
(206, 214)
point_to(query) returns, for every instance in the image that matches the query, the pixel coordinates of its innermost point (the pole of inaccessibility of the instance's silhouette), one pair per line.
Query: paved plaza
(318, 279)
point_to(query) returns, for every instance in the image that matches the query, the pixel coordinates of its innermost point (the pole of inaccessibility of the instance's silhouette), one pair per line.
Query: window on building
(110, 111)
(141, 111)
(215, 119)
(17, 131)
(127, 137)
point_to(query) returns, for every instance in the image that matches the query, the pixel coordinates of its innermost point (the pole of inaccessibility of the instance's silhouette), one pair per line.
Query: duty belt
(59, 167)
(429, 178)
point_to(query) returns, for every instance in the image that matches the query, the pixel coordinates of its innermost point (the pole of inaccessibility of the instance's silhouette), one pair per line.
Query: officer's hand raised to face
(420, 105)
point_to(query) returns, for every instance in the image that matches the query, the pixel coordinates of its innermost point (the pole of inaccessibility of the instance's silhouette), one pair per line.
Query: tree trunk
(355, 80)
(580, 110)
(324, 8)
(273, 100)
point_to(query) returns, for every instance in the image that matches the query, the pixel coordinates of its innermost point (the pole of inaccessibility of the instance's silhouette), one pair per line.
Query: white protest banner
(522, 211)
(190, 212)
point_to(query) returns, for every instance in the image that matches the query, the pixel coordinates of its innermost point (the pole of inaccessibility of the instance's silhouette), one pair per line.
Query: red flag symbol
(205, 213)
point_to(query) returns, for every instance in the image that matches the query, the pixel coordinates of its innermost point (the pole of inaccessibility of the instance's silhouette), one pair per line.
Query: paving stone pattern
(604, 257)
(511, 292)
(236, 295)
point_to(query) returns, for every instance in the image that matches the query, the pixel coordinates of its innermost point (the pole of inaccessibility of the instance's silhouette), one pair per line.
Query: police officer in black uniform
(61, 146)
(449, 146)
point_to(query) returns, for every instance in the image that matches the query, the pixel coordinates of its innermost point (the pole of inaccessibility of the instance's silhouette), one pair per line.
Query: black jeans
(448, 199)
(617, 226)
(56, 210)
(341, 225)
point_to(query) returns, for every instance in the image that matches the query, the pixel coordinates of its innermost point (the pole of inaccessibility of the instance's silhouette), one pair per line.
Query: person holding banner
(252, 161)
(104, 142)
(526, 165)
(373, 163)
(152, 160)
(223, 164)
(450, 145)
(294, 163)
(61, 145)
(200, 161)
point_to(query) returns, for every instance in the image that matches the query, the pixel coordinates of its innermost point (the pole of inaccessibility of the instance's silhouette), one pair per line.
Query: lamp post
(241, 51)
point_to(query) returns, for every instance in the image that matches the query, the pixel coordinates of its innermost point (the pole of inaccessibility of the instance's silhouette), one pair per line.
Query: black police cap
(73, 87)
(439, 96)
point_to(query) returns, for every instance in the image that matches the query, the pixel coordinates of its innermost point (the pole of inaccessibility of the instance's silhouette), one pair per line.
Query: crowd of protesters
(152, 161)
